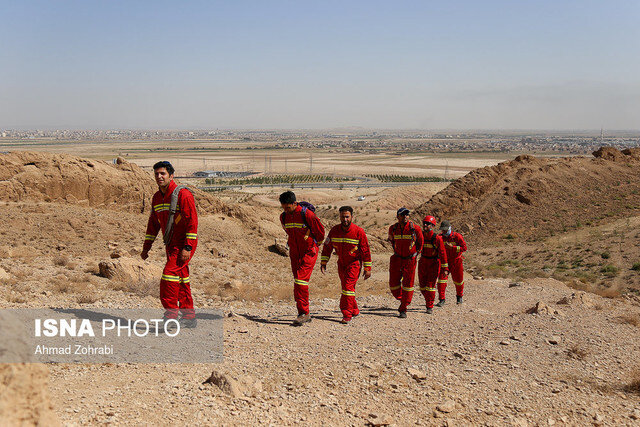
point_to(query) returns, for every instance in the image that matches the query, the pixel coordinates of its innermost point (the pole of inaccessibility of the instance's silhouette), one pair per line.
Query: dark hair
(287, 198)
(346, 209)
(166, 165)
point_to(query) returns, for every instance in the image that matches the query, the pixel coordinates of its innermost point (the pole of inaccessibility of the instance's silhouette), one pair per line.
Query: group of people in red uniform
(441, 255)
(174, 212)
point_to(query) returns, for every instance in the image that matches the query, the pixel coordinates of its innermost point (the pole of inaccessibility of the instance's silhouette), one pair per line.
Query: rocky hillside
(61, 178)
(530, 197)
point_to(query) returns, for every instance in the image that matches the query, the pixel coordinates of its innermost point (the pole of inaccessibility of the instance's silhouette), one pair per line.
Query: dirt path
(486, 361)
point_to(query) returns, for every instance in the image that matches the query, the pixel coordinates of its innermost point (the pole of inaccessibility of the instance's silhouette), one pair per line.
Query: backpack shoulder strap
(173, 207)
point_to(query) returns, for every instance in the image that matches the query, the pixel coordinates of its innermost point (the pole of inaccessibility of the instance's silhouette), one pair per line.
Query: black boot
(402, 315)
(440, 303)
(458, 300)
(429, 310)
(188, 323)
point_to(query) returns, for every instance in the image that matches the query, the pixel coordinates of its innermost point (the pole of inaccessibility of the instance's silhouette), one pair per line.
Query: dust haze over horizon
(311, 65)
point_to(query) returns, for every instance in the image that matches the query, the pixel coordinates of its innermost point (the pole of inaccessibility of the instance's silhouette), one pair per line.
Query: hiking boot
(188, 323)
(302, 319)
(458, 300)
(440, 303)
(345, 320)
(402, 315)
(429, 310)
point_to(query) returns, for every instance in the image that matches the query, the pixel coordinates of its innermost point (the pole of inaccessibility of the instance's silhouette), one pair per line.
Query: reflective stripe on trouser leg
(348, 277)
(428, 272)
(408, 278)
(395, 276)
(457, 274)
(175, 291)
(302, 269)
(442, 286)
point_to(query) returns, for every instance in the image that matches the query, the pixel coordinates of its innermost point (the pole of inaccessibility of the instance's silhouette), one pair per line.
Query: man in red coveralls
(406, 238)
(455, 246)
(433, 265)
(305, 231)
(352, 246)
(175, 290)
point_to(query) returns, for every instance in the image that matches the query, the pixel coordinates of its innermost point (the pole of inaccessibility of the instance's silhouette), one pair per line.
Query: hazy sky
(320, 64)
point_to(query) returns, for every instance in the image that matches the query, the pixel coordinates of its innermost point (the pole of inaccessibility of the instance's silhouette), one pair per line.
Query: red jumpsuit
(175, 290)
(304, 236)
(352, 247)
(455, 246)
(431, 266)
(407, 243)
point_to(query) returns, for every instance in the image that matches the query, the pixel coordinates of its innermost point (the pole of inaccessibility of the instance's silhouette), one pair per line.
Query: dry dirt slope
(61, 178)
(531, 197)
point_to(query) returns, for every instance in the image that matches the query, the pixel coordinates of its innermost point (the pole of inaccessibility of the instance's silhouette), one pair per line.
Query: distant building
(206, 174)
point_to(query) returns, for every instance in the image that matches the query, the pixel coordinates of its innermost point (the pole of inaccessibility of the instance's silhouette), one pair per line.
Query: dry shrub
(612, 291)
(19, 273)
(88, 298)
(12, 282)
(577, 352)
(72, 265)
(634, 384)
(144, 288)
(17, 298)
(60, 260)
(630, 319)
(60, 284)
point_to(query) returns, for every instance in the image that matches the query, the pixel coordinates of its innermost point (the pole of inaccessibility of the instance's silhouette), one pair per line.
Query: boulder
(129, 270)
(280, 247)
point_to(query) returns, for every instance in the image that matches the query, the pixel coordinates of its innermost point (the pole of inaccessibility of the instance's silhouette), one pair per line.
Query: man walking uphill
(433, 265)
(305, 231)
(406, 238)
(173, 210)
(455, 245)
(351, 244)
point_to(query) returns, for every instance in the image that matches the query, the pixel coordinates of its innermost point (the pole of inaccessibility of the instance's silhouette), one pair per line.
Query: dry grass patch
(630, 319)
(144, 288)
(15, 297)
(577, 352)
(88, 298)
(634, 384)
(60, 260)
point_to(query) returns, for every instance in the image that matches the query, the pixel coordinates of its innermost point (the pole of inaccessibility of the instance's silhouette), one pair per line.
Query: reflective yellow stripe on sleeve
(149, 237)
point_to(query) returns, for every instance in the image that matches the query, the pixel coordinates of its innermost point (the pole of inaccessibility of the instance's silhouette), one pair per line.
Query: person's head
(346, 216)
(163, 173)
(445, 228)
(428, 223)
(288, 201)
(402, 215)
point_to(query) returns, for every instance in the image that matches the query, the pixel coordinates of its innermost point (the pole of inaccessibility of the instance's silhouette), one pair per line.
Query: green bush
(609, 270)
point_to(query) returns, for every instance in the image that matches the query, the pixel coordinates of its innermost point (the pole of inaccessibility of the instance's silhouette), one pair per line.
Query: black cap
(402, 211)
(444, 225)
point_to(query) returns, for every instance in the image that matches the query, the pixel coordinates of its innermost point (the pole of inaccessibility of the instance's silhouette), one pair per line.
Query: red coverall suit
(352, 247)
(175, 291)
(303, 251)
(407, 243)
(455, 246)
(431, 266)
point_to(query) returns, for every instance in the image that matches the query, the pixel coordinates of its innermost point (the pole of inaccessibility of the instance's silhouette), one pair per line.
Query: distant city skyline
(462, 65)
